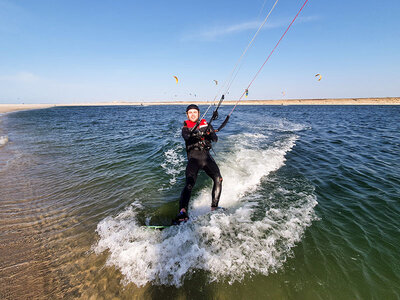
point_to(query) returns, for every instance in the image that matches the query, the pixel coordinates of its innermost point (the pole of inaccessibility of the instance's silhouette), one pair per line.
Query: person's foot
(217, 208)
(181, 217)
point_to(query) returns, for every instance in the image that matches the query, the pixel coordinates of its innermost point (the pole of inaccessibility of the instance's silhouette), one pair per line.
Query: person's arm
(211, 135)
(185, 132)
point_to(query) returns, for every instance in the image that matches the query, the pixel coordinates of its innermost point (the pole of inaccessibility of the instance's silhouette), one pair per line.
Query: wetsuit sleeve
(185, 132)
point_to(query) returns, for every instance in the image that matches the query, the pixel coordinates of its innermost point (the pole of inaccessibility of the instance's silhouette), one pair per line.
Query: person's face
(193, 115)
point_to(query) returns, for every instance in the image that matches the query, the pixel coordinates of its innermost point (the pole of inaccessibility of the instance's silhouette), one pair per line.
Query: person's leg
(212, 170)
(192, 170)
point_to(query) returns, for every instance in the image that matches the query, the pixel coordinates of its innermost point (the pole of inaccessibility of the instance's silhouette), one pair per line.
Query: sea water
(311, 197)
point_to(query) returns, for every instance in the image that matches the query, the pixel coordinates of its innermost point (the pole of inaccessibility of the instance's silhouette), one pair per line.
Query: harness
(202, 144)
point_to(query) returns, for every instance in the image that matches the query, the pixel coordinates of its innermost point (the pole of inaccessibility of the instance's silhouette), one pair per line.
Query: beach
(327, 101)
(4, 108)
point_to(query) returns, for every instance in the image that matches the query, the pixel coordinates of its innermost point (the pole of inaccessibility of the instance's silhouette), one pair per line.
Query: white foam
(227, 245)
(269, 124)
(243, 169)
(174, 163)
(278, 124)
(3, 140)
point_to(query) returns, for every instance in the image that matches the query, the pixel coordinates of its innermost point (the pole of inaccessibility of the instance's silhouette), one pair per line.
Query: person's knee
(218, 180)
(190, 183)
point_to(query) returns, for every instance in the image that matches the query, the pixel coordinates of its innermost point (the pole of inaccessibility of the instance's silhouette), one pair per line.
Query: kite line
(259, 70)
(215, 113)
(236, 69)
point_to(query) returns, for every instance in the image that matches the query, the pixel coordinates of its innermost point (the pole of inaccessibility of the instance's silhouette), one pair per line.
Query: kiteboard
(162, 227)
(159, 227)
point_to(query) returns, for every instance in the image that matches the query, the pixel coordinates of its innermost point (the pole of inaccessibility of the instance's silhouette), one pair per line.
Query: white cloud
(217, 32)
(231, 29)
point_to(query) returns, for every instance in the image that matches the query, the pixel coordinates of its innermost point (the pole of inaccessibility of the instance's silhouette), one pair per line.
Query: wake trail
(248, 238)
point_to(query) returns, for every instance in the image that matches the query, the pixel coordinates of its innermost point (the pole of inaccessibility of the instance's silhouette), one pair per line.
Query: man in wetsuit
(198, 146)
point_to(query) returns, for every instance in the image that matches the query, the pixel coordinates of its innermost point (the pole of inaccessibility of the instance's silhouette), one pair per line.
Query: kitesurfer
(198, 135)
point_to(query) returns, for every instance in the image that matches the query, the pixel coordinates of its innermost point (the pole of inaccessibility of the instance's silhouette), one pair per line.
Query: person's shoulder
(203, 123)
(185, 124)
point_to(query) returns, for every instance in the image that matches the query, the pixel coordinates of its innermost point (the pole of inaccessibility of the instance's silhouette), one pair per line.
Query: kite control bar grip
(214, 115)
(223, 123)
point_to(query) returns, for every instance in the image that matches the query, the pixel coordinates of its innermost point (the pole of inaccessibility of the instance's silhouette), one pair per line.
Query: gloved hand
(211, 136)
(197, 134)
(209, 131)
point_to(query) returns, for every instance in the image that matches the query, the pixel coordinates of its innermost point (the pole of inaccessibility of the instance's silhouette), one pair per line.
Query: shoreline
(6, 108)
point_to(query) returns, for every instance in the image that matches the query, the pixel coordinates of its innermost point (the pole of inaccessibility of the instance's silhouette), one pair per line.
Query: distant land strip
(339, 101)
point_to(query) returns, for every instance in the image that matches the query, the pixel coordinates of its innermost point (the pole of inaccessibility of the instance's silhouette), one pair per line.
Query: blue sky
(85, 51)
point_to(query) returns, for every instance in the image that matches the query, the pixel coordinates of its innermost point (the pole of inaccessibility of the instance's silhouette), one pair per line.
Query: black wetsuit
(198, 145)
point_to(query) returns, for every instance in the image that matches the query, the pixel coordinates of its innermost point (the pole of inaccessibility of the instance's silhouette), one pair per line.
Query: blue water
(312, 198)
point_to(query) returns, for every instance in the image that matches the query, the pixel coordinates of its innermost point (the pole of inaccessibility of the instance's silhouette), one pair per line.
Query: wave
(247, 238)
(243, 168)
(3, 140)
(174, 163)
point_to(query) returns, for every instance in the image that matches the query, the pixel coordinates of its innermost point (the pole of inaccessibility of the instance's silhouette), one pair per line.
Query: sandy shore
(14, 107)
(343, 101)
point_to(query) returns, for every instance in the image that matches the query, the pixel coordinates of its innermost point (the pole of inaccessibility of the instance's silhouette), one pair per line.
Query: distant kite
(246, 92)
(176, 78)
(319, 76)
(216, 82)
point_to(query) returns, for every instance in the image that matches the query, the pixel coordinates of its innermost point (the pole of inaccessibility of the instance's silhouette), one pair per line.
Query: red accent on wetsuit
(191, 124)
